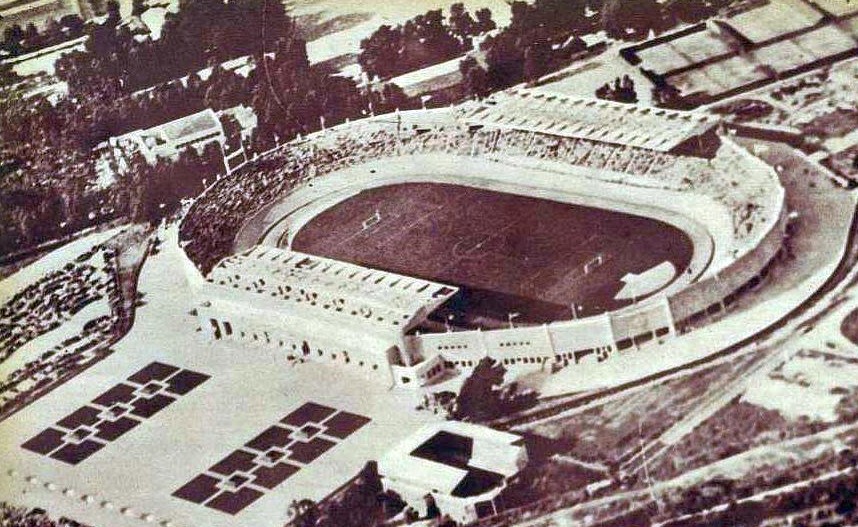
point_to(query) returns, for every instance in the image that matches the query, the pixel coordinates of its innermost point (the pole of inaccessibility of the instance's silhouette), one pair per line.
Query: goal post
(372, 220)
(594, 263)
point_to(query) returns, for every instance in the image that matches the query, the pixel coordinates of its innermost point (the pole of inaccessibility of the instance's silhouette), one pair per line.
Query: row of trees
(289, 95)
(541, 37)
(202, 33)
(544, 35)
(621, 90)
(424, 40)
(47, 150)
(17, 40)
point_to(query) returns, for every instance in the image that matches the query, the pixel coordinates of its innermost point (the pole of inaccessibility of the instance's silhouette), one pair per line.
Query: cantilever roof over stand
(595, 120)
(331, 288)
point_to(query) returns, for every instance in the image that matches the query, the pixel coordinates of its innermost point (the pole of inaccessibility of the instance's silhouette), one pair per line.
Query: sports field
(508, 253)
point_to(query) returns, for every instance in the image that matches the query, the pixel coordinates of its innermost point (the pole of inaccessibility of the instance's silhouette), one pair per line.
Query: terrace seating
(56, 297)
(547, 113)
(55, 364)
(12, 516)
(732, 179)
(47, 304)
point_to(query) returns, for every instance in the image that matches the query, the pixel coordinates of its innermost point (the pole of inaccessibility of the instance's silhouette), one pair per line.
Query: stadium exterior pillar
(671, 326)
(609, 327)
(550, 339)
(483, 342)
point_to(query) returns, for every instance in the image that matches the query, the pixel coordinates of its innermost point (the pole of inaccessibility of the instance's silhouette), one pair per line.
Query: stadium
(541, 230)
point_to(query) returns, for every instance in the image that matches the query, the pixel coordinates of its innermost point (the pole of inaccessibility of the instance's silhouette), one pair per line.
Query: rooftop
(592, 119)
(455, 458)
(382, 298)
(165, 140)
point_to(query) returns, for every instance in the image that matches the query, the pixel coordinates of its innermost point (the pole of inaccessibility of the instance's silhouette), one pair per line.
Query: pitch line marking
(458, 259)
(404, 230)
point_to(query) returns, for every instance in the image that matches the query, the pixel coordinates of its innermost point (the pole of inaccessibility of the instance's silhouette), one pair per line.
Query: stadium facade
(678, 167)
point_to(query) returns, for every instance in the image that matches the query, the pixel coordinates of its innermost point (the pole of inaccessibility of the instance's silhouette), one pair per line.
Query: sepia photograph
(429, 263)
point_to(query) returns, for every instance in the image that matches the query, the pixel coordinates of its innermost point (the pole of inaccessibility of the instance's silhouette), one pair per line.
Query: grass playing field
(508, 253)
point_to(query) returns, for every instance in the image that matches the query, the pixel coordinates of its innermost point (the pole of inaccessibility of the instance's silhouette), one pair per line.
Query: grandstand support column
(495, 140)
(391, 376)
(404, 355)
(531, 140)
(609, 329)
(550, 339)
(482, 339)
(671, 325)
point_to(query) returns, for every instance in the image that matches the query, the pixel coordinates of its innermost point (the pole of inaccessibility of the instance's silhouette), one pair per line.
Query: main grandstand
(691, 179)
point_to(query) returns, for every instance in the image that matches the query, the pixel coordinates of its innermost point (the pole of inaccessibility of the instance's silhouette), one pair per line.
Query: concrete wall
(592, 340)
(730, 280)
(586, 340)
(297, 338)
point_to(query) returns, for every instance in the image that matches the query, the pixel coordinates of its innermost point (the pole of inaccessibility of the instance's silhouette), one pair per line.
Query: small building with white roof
(461, 467)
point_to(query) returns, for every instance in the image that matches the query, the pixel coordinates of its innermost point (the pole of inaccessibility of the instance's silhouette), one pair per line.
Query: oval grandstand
(278, 224)
(731, 205)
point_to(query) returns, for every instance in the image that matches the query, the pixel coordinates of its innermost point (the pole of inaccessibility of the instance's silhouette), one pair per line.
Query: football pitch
(508, 253)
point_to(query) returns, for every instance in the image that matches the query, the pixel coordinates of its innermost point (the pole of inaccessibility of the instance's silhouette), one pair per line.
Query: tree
(13, 33)
(74, 23)
(622, 90)
(138, 7)
(484, 397)
(31, 33)
(484, 22)
(665, 94)
(361, 504)
(303, 513)
(432, 510)
(7, 74)
(505, 60)
(479, 397)
(626, 20)
(419, 42)
(12, 37)
(461, 23)
(537, 59)
(475, 78)
(113, 16)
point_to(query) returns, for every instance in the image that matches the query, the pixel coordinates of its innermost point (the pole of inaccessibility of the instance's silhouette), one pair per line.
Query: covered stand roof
(603, 121)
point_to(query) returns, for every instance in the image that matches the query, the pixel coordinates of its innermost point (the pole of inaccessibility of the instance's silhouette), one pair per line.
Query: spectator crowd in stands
(11, 516)
(210, 227)
(47, 304)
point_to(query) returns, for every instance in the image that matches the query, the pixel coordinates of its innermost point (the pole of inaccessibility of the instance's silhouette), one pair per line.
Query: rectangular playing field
(509, 253)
